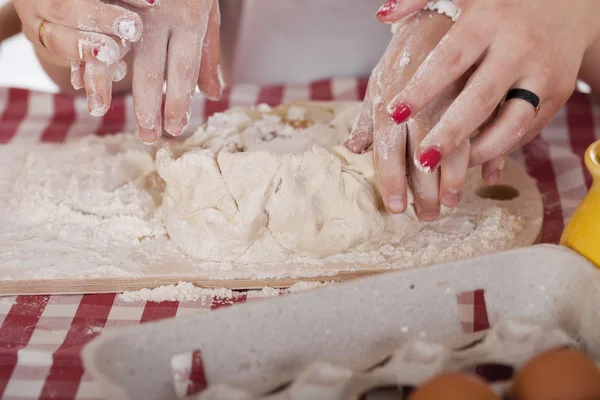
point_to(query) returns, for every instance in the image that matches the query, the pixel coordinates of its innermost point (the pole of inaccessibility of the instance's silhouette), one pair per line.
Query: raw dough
(266, 184)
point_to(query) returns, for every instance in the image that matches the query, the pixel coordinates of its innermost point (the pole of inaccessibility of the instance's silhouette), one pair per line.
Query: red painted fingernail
(400, 114)
(430, 158)
(95, 51)
(150, 1)
(387, 8)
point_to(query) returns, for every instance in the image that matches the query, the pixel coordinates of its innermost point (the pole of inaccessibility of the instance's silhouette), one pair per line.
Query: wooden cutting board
(516, 192)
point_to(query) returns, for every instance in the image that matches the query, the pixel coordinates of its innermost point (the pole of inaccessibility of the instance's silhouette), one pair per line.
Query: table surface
(41, 336)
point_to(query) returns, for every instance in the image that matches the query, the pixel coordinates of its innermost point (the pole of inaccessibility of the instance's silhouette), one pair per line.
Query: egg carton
(336, 342)
(510, 343)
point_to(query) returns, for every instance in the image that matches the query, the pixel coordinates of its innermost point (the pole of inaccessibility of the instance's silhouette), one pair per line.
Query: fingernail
(76, 78)
(493, 178)
(400, 114)
(450, 199)
(96, 105)
(395, 204)
(129, 28)
(387, 8)
(430, 159)
(220, 77)
(353, 145)
(148, 136)
(105, 54)
(150, 1)
(120, 72)
(429, 216)
(175, 127)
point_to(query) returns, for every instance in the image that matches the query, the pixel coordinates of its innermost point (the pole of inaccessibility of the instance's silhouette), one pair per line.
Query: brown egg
(558, 375)
(454, 386)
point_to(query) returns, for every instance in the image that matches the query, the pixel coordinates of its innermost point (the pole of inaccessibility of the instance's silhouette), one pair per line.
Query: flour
(186, 291)
(93, 208)
(404, 59)
(183, 291)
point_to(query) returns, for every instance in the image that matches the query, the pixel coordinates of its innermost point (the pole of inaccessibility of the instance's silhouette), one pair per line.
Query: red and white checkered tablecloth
(41, 336)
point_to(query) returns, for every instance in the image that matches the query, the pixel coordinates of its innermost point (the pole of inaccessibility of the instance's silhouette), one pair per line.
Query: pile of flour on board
(92, 208)
(185, 291)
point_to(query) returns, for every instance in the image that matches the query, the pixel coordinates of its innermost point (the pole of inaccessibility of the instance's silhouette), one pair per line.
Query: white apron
(295, 41)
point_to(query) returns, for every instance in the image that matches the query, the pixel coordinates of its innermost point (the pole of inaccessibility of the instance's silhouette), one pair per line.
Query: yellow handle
(592, 160)
(582, 233)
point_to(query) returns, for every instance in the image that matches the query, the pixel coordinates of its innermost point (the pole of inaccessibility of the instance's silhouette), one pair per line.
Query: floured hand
(536, 45)
(180, 43)
(394, 145)
(78, 32)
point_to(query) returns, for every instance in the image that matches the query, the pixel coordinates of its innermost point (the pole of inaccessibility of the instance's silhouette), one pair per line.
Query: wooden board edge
(119, 285)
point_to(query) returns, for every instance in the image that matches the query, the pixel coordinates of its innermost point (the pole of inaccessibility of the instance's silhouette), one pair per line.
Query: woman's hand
(411, 44)
(89, 36)
(181, 41)
(537, 45)
(79, 30)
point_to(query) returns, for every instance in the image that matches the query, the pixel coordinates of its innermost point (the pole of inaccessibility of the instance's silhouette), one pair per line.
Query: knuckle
(566, 89)
(518, 130)
(488, 98)
(452, 132)
(455, 58)
(57, 9)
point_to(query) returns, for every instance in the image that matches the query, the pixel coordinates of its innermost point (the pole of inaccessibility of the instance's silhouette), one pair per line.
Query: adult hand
(181, 41)
(537, 45)
(392, 142)
(71, 33)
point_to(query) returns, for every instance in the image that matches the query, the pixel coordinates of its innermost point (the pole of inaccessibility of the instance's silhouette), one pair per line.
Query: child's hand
(395, 145)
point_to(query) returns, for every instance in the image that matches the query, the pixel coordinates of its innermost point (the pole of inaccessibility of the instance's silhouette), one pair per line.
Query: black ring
(526, 95)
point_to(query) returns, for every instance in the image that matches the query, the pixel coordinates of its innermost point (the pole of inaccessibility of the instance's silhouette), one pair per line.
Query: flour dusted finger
(453, 175)
(210, 79)
(361, 137)
(77, 72)
(149, 60)
(94, 16)
(389, 149)
(425, 185)
(98, 86)
(71, 44)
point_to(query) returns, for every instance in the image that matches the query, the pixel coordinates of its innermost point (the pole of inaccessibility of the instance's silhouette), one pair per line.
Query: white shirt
(265, 41)
(291, 41)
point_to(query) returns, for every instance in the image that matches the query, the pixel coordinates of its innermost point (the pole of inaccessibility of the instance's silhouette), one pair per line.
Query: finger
(458, 50)
(513, 121)
(425, 186)
(491, 170)
(120, 71)
(149, 57)
(98, 86)
(210, 79)
(77, 78)
(182, 76)
(453, 175)
(389, 148)
(93, 16)
(79, 46)
(185, 57)
(478, 100)
(361, 137)
(548, 110)
(394, 10)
